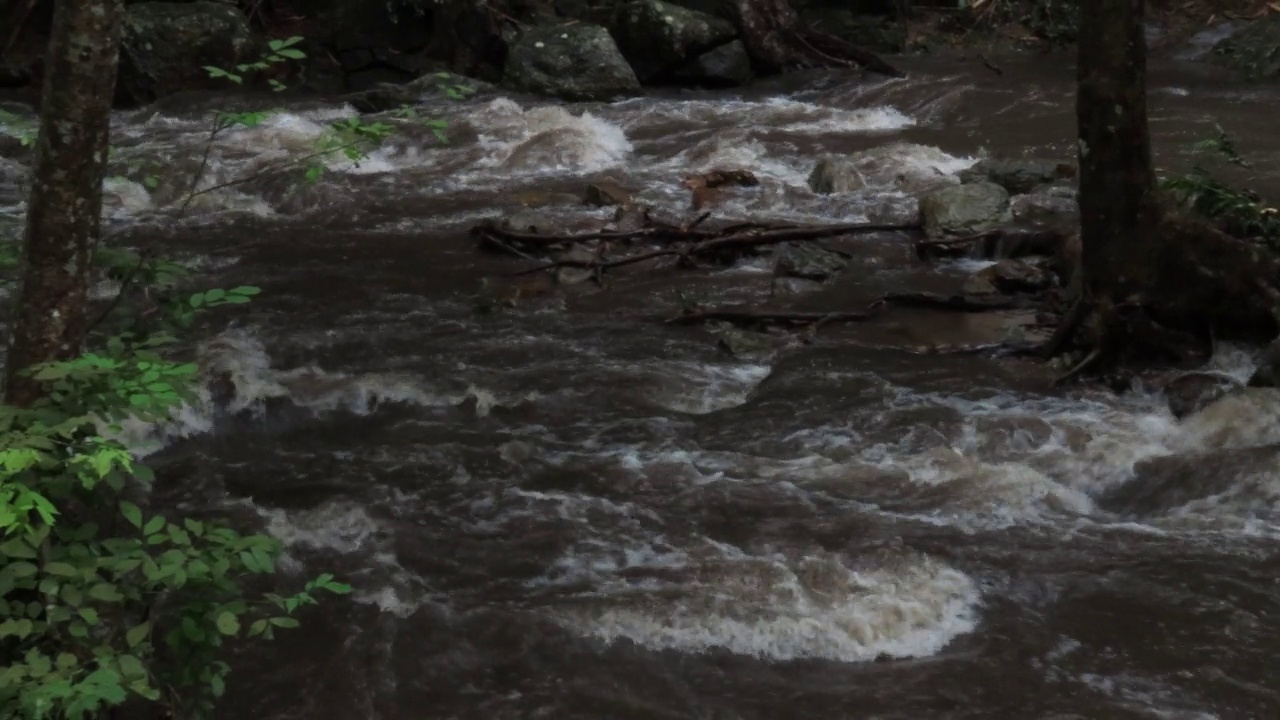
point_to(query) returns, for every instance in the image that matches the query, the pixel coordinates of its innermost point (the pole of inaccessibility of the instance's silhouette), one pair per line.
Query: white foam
(546, 139)
(788, 609)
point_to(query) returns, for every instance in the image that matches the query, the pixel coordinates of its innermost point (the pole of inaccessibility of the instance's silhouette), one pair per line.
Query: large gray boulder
(571, 62)
(658, 38)
(1252, 51)
(964, 209)
(905, 167)
(166, 47)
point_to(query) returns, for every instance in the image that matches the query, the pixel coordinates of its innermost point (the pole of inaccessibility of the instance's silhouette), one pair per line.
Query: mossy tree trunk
(65, 205)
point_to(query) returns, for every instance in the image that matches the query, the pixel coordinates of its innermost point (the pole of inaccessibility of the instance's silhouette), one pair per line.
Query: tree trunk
(65, 207)
(774, 39)
(1158, 285)
(1118, 208)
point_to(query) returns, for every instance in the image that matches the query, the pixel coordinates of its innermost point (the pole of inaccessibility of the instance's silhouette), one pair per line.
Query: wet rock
(572, 62)
(1190, 393)
(658, 38)
(964, 209)
(807, 261)
(1009, 276)
(836, 175)
(872, 32)
(546, 198)
(166, 47)
(725, 66)
(580, 255)
(906, 167)
(1017, 176)
(606, 192)
(1171, 483)
(744, 344)
(1046, 209)
(531, 221)
(1268, 372)
(1252, 51)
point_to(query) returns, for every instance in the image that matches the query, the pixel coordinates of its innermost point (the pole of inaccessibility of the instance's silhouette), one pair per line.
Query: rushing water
(569, 509)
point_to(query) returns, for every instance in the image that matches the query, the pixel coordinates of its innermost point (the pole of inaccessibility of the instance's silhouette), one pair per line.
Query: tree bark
(65, 207)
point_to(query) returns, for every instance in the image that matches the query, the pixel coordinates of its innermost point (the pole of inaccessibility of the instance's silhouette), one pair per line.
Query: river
(569, 509)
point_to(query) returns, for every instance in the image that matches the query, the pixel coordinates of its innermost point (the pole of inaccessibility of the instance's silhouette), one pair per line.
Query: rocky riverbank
(585, 49)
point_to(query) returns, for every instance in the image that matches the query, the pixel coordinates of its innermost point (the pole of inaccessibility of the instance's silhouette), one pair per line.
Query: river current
(568, 509)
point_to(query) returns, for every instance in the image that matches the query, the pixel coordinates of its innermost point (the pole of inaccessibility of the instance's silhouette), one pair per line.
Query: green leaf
(228, 624)
(66, 661)
(131, 667)
(284, 622)
(137, 634)
(132, 513)
(105, 592)
(17, 549)
(60, 569)
(214, 295)
(18, 570)
(89, 615)
(217, 686)
(154, 525)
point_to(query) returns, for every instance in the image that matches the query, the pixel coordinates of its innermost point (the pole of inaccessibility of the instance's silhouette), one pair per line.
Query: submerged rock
(905, 167)
(1018, 176)
(1190, 393)
(166, 47)
(836, 175)
(808, 262)
(744, 344)
(964, 209)
(658, 38)
(1268, 372)
(1252, 51)
(1008, 276)
(571, 62)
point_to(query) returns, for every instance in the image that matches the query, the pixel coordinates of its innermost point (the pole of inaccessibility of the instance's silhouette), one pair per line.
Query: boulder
(807, 262)
(836, 175)
(1018, 176)
(659, 38)
(166, 46)
(905, 167)
(1252, 51)
(572, 62)
(1188, 394)
(1046, 209)
(725, 66)
(964, 209)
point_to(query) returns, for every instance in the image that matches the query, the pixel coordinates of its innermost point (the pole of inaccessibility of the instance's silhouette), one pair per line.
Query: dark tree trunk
(1157, 284)
(775, 40)
(1118, 208)
(65, 207)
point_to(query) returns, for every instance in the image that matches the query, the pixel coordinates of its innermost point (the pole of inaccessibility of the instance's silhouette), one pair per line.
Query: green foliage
(18, 127)
(100, 600)
(280, 51)
(1238, 212)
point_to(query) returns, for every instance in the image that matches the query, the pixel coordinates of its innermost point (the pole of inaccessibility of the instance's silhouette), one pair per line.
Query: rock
(807, 261)
(531, 221)
(1268, 372)
(725, 66)
(1017, 176)
(575, 275)
(905, 167)
(606, 192)
(964, 209)
(573, 62)
(1188, 394)
(1252, 51)
(871, 32)
(836, 175)
(1009, 277)
(1046, 209)
(166, 47)
(744, 344)
(658, 38)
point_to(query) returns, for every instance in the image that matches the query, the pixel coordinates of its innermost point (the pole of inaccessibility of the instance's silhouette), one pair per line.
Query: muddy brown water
(571, 510)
